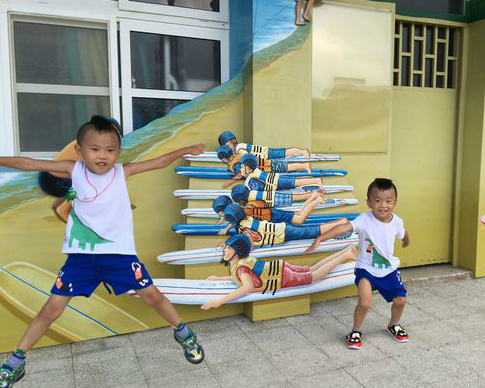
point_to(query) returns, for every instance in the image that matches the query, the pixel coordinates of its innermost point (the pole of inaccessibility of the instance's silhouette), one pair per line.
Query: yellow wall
(471, 248)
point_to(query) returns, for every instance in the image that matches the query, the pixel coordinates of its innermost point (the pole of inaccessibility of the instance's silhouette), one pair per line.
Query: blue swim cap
(241, 244)
(250, 161)
(239, 193)
(224, 152)
(234, 214)
(226, 136)
(220, 203)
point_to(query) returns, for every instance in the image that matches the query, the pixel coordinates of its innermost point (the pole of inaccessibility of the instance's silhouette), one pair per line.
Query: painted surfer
(228, 138)
(99, 237)
(226, 155)
(264, 181)
(271, 233)
(253, 275)
(271, 214)
(306, 13)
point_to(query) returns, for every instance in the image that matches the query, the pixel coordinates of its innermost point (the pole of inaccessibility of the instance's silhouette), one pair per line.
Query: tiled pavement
(445, 321)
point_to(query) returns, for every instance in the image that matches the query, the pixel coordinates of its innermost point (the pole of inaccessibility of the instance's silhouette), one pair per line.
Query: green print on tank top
(378, 261)
(83, 234)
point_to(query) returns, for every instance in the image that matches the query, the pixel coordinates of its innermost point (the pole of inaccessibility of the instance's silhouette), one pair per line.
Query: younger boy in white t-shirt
(376, 267)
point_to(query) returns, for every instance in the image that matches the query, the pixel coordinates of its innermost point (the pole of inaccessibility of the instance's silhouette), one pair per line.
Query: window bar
(435, 54)
(447, 37)
(423, 58)
(399, 59)
(411, 60)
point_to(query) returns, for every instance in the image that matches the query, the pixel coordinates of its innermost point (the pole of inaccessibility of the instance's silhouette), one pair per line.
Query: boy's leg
(182, 333)
(325, 266)
(364, 290)
(306, 209)
(299, 197)
(51, 310)
(14, 368)
(397, 309)
(299, 166)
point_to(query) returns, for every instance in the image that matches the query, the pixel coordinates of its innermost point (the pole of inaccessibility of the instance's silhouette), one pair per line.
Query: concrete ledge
(436, 273)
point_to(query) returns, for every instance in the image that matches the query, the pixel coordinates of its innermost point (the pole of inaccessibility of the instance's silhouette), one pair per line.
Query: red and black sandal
(354, 340)
(398, 332)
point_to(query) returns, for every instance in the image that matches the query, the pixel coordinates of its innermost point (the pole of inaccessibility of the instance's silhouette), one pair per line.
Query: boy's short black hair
(99, 124)
(381, 184)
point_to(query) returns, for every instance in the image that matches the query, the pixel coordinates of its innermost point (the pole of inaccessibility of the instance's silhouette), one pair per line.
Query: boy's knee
(151, 297)
(399, 301)
(364, 303)
(51, 311)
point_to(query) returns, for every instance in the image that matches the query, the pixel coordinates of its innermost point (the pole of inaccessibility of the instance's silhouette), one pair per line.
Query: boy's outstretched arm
(246, 288)
(334, 232)
(405, 240)
(161, 161)
(233, 180)
(29, 164)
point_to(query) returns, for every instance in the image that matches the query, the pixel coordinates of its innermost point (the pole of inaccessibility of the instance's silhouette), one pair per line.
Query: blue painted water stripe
(70, 307)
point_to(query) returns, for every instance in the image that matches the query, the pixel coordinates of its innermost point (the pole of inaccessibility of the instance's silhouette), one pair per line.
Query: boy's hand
(211, 304)
(311, 248)
(212, 277)
(405, 240)
(196, 149)
(222, 232)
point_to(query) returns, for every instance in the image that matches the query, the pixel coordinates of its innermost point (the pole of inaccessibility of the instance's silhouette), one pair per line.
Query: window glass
(165, 62)
(60, 55)
(48, 122)
(146, 110)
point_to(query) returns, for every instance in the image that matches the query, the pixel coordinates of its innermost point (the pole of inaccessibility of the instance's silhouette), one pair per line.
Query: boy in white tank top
(99, 237)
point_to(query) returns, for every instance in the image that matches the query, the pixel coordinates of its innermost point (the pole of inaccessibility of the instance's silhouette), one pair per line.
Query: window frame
(128, 92)
(161, 9)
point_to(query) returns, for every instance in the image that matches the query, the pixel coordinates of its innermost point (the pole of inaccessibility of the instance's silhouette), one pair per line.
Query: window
(425, 55)
(165, 66)
(61, 77)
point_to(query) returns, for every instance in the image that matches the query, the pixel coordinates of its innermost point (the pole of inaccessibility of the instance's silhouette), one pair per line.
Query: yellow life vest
(270, 179)
(268, 196)
(270, 233)
(270, 273)
(256, 150)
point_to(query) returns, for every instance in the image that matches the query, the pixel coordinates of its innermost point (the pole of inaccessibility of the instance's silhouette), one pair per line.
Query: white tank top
(100, 220)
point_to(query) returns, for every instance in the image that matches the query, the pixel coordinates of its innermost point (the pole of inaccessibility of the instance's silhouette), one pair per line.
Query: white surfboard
(209, 212)
(197, 292)
(290, 248)
(213, 194)
(211, 156)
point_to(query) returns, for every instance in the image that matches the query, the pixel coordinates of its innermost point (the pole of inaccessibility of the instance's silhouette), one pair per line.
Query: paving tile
(102, 349)
(154, 339)
(316, 312)
(200, 378)
(470, 326)
(53, 357)
(473, 381)
(373, 322)
(278, 339)
(337, 307)
(258, 374)
(300, 362)
(437, 334)
(215, 328)
(385, 373)
(468, 352)
(320, 331)
(432, 365)
(338, 378)
(229, 349)
(119, 371)
(343, 356)
(246, 325)
(387, 344)
(62, 377)
(448, 290)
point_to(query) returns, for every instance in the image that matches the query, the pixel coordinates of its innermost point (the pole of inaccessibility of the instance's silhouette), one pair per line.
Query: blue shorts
(286, 183)
(279, 166)
(82, 273)
(281, 216)
(301, 232)
(276, 153)
(281, 199)
(389, 286)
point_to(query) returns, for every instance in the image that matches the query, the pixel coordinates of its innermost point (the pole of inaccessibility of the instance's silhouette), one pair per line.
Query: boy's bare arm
(405, 240)
(334, 232)
(246, 288)
(161, 161)
(29, 164)
(233, 180)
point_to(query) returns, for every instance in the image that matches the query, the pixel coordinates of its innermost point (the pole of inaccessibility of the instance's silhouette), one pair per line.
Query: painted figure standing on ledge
(263, 181)
(376, 267)
(253, 275)
(228, 138)
(99, 237)
(226, 155)
(306, 13)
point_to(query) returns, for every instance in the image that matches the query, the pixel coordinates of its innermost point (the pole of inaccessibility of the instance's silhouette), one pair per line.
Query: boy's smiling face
(100, 151)
(382, 203)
